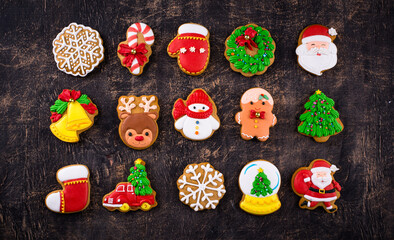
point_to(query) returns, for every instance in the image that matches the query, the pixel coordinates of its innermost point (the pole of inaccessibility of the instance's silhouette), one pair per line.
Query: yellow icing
(77, 119)
(260, 206)
(60, 131)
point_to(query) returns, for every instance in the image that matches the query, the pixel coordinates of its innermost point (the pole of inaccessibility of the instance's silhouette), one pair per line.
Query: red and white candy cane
(132, 32)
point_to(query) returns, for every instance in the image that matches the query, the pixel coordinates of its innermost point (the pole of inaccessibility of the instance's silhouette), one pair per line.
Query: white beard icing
(315, 64)
(318, 181)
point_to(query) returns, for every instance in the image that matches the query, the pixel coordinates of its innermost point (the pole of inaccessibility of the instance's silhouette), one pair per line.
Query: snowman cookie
(259, 181)
(256, 116)
(196, 117)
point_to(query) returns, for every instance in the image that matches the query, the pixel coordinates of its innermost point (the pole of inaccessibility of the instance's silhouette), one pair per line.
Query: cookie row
(195, 118)
(250, 49)
(202, 187)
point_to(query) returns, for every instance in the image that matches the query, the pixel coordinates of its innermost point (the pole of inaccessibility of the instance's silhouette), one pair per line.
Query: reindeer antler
(127, 105)
(147, 102)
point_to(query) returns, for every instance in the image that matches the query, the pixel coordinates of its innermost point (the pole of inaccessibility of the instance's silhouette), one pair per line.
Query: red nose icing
(139, 138)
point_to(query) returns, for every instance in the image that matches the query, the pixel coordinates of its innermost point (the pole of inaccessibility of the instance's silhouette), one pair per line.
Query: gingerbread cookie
(138, 115)
(259, 181)
(316, 185)
(320, 119)
(201, 186)
(134, 194)
(134, 53)
(316, 50)
(78, 50)
(256, 116)
(250, 50)
(196, 117)
(75, 195)
(191, 47)
(72, 114)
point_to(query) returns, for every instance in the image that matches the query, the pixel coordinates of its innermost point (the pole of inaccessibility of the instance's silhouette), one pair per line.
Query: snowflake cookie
(201, 186)
(78, 49)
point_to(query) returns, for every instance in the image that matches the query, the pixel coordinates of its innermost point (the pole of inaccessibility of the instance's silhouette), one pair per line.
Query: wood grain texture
(361, 85)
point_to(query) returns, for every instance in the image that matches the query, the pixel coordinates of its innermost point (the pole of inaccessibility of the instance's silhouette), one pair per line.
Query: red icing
(66, 95)
(316, 30)
(76, 195)
(193, 62)
(140, 51)
(242, 41)
(197, 96)
(253, 114)
(55, 116)
(90, 108)
(128, 196)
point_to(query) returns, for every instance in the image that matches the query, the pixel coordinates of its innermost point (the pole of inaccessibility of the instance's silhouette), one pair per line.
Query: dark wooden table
(361, 85)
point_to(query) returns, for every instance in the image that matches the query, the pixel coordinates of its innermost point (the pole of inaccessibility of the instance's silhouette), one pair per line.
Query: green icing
(83, 99)
(138, 178)
(320, 117)
(261, 185)
(59, 106)
(245, 62)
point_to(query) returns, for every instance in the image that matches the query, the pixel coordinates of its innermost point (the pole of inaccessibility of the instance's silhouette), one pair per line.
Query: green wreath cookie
(250, 50)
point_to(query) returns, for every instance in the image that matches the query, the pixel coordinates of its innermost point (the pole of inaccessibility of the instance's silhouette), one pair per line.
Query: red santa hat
(318, 33)
(199, 96)
(192, 28)
(323, 166)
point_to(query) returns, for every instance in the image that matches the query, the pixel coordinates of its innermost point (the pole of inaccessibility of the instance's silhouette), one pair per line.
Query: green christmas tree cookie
(261, 184)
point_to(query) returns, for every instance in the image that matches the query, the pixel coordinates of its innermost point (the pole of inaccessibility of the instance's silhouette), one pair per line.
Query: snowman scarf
(180, 110)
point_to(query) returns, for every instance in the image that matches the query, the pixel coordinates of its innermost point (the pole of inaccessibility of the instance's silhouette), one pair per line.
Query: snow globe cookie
(201, 186)
(75, 196)
(136, 193)
(134, 53)
(196, 117)
(316, 186)
(259, 181)
(256, 116)
(250, 50)
(191, 48)
(316, 50)
(320, 119)
(138, 115)
(78, 50)
(72, 114)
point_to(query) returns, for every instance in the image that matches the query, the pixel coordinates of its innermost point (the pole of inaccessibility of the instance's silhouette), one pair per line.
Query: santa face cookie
(134, 53)
(201, 186)
(196, 117)
(316, 186)
(259, 181)
(78, 50)
(250, 50)
(134, 194)
(316, 50)
(72, 114)
(256, 116)
(75, 195)
(138, 128)
(320, 119)
(191, 47)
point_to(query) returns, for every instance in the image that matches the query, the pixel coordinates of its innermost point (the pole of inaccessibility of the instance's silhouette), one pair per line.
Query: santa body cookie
(134, 53)
(191, 47)
(316, 185)
(196, 117)
(72, 114)
(320, 119)
(259, 181)
(201, 186)
(78, 50)
(316, 50)
(75, 195)
(256, 116)
(134, 194)
(250, 50)
(138, 115)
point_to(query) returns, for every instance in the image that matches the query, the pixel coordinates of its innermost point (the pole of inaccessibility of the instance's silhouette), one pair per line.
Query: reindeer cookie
(256, 116)
(138, 128)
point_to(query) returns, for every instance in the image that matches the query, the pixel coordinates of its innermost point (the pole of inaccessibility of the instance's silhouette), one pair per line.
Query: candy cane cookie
(135, 51)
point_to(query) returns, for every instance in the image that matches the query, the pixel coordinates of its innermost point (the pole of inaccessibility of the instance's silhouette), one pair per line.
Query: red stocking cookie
(75, 195)
(256, 116)
(191, 47)
(135, 51)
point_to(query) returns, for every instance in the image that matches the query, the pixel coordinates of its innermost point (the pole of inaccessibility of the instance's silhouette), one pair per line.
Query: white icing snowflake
(205, 182)
(182, 50)
(202, 50)
(78, 49)
(192, 49)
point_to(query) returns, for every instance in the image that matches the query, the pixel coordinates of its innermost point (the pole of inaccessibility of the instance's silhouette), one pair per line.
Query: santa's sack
(299, 181)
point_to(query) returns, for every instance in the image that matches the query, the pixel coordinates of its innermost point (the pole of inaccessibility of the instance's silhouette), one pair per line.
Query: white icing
(311, 62)
(249, 172)
(192, 49)
(307, 179)
(252, 95)
(315, 199)
(332, 32)
(53, 201)
(192, 28)
(79, 43)
(202, 50)
(247, 135)
(133, 43)
(264, 137)
(127, 105)
(72, 172)
(239, 118)
(179, 123)
(146, 104)
(214, 178)
(198, 106)
(205, 127)
(182, 50)
(136, 70)
(273, 120)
